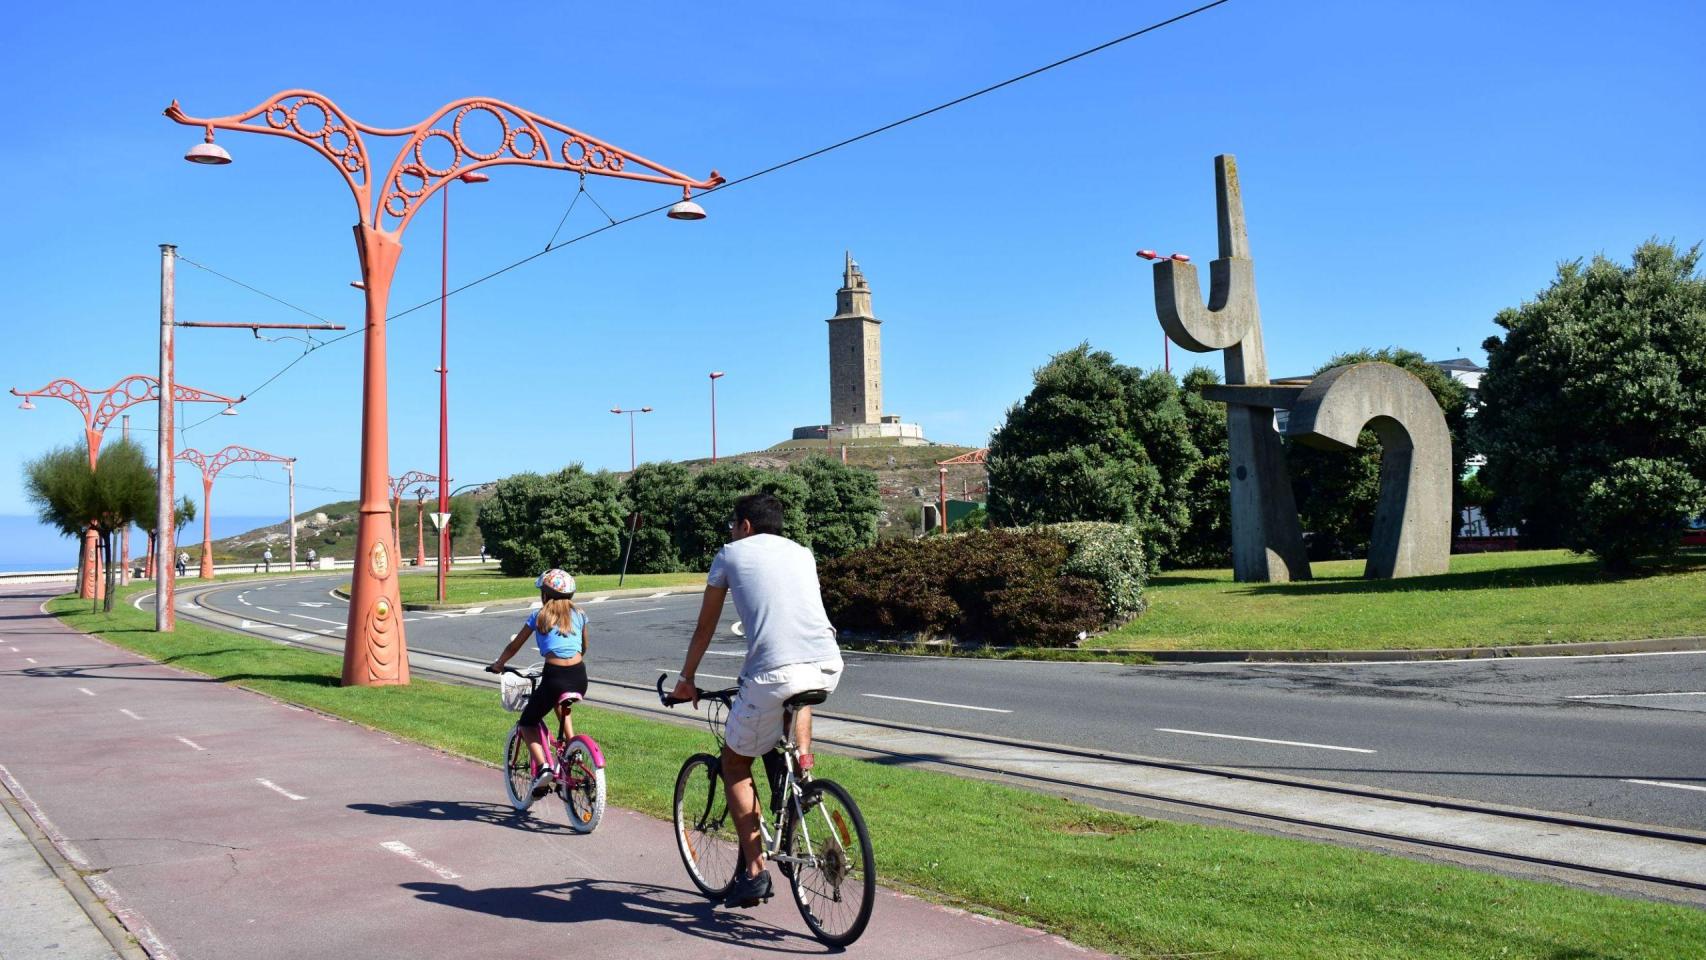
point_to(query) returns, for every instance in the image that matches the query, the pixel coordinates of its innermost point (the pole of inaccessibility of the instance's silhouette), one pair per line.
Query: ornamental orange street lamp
(210, 467)
(399, 486)
(374, 648)
(99, 409)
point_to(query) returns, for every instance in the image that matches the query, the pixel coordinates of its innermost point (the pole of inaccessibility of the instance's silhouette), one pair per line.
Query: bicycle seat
(809, 698)
(568, 697)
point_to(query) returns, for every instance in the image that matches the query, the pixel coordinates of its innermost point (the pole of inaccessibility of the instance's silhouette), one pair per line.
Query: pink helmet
(557, 582)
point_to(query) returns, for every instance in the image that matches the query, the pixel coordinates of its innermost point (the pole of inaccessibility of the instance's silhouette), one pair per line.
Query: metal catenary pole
(165, 548)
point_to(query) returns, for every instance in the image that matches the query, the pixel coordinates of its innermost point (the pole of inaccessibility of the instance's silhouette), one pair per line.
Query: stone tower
(855, 353)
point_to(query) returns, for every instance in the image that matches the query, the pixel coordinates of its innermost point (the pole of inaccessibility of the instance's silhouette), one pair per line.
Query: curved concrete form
(1412, 524)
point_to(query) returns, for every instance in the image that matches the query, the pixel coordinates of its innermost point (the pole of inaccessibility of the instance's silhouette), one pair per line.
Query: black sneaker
(749, 891)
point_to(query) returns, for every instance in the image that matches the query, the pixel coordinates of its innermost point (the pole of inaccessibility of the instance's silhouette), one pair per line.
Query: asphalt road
(1620, 737)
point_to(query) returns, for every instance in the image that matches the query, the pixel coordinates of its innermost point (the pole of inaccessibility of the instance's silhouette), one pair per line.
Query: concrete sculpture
(1412, 524)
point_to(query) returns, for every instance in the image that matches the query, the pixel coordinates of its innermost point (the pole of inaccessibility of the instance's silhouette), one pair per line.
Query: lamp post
(374, 649)
(420, 524)
(99, 409)
(630, 413)
(210, 468)
(715, 376)
(471, 176)
(398, 486)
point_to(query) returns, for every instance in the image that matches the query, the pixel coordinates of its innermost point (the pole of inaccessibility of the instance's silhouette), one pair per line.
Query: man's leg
(743, 805)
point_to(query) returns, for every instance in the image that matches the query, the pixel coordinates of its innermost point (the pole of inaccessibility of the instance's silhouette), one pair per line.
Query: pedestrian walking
(312, 558)
(183, 563)
(266, 558)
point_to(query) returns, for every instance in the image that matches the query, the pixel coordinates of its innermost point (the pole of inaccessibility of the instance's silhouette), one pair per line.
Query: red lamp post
(715, 376)
(398, 486)
(99, 409)
(630, 413)
(471, 176)
(210, 467)
(374, 649)
(420, 525)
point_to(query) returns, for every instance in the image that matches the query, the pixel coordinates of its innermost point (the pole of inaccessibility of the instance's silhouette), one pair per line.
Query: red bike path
(216, 822)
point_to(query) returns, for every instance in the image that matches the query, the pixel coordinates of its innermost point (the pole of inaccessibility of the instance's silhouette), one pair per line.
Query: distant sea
(25, 544)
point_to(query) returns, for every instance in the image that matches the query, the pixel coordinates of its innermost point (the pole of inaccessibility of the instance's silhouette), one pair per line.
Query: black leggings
(556, 681)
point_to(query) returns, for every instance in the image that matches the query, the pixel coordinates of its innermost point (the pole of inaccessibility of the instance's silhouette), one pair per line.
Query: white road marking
(312, 603)
(1283, 743)
(403, 850)
(623, 613)
(471, 611)
(716, 676)
(244, 600)
(325, 633)
(1621, 696)
(128, 713)
(304, 616)
(186, 741)
(267, 609)
(935, 703)
(14, 649)
(661, 593)
(244, 625)
(1459, 661)
(460, 663)
(726, 653)
(30, 659)
(598, 599)
(299, 636)
(1674, 786)
(275, 788)
(86, 690)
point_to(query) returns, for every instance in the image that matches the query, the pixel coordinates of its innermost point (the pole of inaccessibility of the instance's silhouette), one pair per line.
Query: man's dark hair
(762, 510)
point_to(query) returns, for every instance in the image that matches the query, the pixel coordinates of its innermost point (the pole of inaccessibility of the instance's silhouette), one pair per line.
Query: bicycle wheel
(704, 830)
(581, 787)
(518, 771)
(837, 886)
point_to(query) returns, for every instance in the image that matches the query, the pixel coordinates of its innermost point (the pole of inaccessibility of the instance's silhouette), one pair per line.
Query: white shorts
(755, 718)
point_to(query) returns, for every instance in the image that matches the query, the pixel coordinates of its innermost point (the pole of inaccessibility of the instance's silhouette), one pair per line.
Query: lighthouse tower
(856, 372)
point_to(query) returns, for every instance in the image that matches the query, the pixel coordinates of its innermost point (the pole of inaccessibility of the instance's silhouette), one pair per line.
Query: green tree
(71, 497)
(841, 506)
(181, 517)
(1593, 407)
(1096, 440)
(569, 519)
(1206, 540)
(655, 491)
(1337, 492)
(977, 518)
(702, 518)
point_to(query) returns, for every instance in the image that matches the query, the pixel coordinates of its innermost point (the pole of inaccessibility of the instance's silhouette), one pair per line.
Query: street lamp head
(615, 409)
(26, 405)
(229, 411)
(209, 153)
(715, 374)
(645, 409)
(358, 284)
(686, 210)
(473, 176)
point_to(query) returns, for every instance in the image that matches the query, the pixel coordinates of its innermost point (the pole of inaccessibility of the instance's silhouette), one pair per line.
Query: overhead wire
(551, 247)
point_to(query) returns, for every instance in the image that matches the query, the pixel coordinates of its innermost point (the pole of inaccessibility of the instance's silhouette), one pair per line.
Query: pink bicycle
(577, 764)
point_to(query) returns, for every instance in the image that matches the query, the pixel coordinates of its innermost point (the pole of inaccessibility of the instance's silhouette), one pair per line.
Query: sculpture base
(908, 434)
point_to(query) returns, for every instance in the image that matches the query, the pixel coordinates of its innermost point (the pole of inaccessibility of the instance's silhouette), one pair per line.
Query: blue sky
(1408, 171)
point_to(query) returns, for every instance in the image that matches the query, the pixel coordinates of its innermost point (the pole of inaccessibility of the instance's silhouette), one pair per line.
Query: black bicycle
(813, 830)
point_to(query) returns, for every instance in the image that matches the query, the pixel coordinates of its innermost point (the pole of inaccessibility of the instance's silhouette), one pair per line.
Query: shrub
(1110, 555)
(994, 586)
(569, 519)
(1639, 508)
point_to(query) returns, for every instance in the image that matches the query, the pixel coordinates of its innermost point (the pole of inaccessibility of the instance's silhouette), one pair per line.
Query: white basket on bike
(515, 690)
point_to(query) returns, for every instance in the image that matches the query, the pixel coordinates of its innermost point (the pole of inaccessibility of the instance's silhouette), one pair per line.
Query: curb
(1580, 649)
(111, 928)
(624, 593)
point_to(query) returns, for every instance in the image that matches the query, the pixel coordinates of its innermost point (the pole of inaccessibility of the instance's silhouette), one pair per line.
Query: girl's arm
(510, 651)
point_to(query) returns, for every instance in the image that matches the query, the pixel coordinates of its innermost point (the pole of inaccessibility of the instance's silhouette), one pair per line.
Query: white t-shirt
(774, 584)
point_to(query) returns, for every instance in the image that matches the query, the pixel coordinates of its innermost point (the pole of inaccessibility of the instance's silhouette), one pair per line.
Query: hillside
(906, 479)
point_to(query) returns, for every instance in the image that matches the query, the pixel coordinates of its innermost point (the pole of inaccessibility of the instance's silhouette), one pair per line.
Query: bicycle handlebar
(725, 697)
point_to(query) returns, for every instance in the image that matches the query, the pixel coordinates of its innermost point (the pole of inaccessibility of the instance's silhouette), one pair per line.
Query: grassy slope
(1118, 882)
(1548, 596)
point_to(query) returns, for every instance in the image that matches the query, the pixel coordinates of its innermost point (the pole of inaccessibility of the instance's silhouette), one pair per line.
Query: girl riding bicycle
(560, 629)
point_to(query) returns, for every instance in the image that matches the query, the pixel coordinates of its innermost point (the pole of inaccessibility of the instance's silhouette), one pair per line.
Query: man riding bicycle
(790, 648)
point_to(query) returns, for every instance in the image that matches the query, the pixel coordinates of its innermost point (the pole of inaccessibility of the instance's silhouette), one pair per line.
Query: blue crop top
(563, 646)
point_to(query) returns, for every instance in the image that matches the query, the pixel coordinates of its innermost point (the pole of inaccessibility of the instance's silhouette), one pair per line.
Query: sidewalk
(224, 824)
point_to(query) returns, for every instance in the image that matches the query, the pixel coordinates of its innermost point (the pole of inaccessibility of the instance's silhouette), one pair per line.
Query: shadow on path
(584, 901)
(497, 814)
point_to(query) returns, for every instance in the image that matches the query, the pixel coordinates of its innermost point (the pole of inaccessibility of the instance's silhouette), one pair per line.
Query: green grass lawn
(490, 584)
(1488, 599)
(1138, 887)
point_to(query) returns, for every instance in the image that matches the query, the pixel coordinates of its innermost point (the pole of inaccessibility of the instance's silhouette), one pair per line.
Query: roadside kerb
(519, 603)
(1577, 649)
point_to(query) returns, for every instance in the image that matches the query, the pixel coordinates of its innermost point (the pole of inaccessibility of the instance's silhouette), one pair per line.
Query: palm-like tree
(70, 496)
